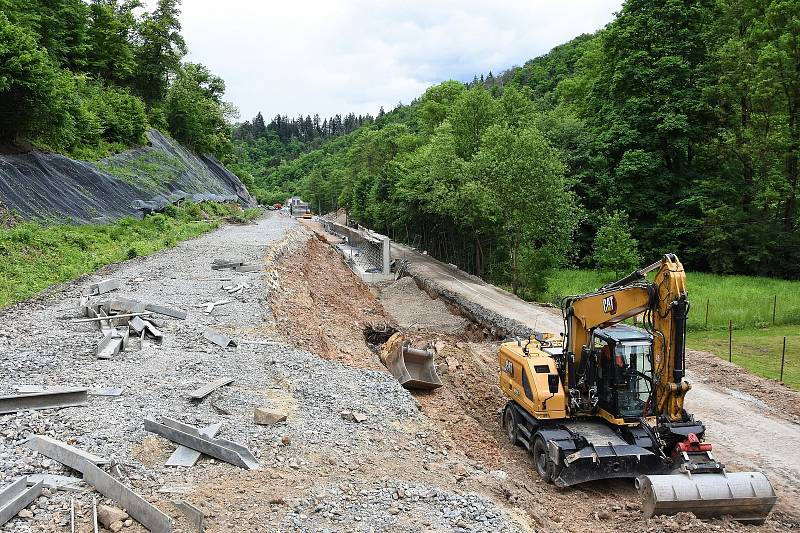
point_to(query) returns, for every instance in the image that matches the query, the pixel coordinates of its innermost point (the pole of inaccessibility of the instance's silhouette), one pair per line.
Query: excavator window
(605, 374)
(633, 377)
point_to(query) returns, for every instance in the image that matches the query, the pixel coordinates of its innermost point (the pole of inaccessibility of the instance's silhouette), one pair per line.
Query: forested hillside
(675, 128)
(88, 78)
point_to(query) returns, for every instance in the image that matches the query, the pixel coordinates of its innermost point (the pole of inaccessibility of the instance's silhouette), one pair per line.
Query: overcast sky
(336, 56)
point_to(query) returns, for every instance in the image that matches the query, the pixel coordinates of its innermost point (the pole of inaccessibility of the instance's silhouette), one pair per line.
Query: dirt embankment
(466, 410)
(324, 308)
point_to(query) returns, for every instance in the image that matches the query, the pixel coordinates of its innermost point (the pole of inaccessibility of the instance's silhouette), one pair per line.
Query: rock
(108, 515)
(267, 417)
(128, 523)
(116, 527)
(286, 440)
(25, 514)
(459, 469)
(603, 514)
(393, 510)
(353, 416)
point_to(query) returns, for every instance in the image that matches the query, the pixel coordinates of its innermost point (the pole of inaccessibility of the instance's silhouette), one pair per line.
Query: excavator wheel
(510, 420)
(541, 459)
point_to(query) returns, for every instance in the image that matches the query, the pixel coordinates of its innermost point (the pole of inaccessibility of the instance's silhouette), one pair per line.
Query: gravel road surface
(320, 470)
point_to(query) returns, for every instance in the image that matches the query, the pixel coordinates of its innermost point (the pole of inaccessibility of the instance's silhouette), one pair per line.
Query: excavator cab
(624, 370)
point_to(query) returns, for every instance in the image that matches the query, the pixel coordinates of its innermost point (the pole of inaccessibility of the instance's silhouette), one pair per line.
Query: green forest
(676, 128)
(89, 78)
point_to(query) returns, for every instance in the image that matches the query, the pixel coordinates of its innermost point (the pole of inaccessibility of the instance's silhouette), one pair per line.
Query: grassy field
(745, 300)
(757, 350)
(34, 257)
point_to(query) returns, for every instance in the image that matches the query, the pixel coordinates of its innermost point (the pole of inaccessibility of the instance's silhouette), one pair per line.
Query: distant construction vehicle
(297, 207)
(606, 401)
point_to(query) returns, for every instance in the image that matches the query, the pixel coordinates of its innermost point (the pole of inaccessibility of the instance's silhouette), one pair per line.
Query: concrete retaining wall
(375, 247)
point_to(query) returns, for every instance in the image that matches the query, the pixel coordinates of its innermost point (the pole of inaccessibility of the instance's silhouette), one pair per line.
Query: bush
(123, 116)
(191, 210)
(158, 220)
(29, 83)
(536, 266)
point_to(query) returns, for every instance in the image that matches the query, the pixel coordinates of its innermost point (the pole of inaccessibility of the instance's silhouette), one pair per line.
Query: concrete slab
(109, 346)
(126, 306)
(107, 391)
(45, 399)
(85, 463)
(57, 482)
(62, 452)
(208, 388)
(194, 514)
(17, 497)
(189, 436)
(167, 311)
(136, 506)
(219, 339)
(102, 287)
(183, 456)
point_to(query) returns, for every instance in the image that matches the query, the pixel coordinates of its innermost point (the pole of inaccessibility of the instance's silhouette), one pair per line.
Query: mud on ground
(466, 410)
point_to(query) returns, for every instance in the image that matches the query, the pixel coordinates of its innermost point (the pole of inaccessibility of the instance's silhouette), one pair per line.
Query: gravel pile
(371, 473)
(411, 307)
(383, 505)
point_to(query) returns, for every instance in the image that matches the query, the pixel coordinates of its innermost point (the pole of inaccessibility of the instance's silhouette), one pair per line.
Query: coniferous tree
(259, 128)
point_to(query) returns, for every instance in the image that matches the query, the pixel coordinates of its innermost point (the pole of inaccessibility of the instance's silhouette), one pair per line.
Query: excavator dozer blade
(413, 368)
(744, 496)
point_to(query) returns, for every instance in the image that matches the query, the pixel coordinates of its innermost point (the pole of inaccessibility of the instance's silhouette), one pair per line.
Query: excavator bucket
(744, 496)
(413, 368)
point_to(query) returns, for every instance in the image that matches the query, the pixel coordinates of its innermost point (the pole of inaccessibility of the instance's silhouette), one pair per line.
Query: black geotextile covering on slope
(53, 187)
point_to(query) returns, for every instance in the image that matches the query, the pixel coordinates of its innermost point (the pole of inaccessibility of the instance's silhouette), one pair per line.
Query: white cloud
(336, 56)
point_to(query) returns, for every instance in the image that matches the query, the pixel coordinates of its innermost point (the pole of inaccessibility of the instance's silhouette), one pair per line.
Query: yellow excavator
(605, 400)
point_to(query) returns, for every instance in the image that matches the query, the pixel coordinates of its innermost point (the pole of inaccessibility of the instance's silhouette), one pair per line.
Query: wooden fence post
(730, 341)
(783, 357)
(774, 308)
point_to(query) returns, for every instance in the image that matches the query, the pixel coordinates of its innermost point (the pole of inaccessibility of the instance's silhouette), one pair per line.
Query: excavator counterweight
(605, 400)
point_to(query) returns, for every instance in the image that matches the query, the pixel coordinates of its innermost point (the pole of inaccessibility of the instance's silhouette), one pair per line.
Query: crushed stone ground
(411, 307)
(320, 472)
(435, 461)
